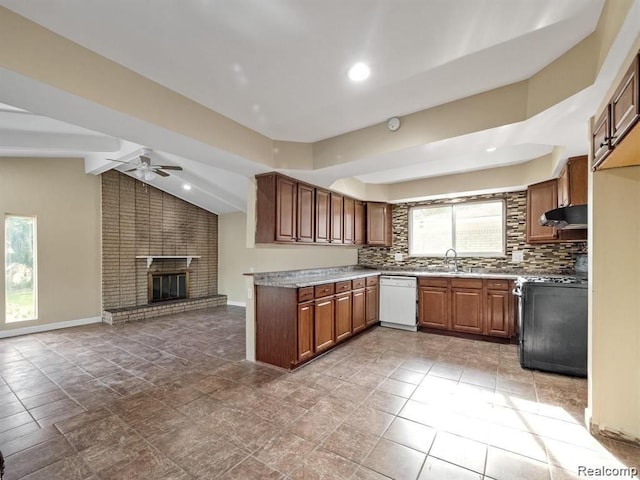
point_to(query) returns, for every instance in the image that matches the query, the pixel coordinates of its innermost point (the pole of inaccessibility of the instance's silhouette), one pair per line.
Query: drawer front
(433, 282)
(343, 286)
(324, 290)
(498, 284)
(358, 283)
(466, 283)
(372, 281)
(305, 294)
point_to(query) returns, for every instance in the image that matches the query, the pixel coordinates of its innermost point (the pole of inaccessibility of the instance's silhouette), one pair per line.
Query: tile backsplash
(551, 257)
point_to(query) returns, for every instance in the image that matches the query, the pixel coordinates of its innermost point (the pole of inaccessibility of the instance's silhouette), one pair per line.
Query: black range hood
(573, 217)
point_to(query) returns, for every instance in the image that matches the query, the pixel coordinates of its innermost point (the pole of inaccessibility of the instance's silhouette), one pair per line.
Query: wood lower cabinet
(478, 306)
(343, 316)
(294, 325)
(323, 317)
(305, 349)
(358, 306)
(466, 309)
(433, 307)
(372, 301)
(498, 321)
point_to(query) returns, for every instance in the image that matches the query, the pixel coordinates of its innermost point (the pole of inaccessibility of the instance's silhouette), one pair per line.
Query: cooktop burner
(566, 279)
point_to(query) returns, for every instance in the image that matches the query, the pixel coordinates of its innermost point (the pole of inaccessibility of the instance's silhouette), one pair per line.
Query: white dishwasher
(398, 302)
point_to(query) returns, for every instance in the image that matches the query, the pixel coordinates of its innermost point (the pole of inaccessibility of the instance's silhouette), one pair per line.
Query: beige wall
(237, 258)
(614, 384)
(66, 202)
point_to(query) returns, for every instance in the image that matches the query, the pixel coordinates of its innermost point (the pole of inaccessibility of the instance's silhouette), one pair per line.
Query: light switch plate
(249, 293)
(398, 257)
(517, 256)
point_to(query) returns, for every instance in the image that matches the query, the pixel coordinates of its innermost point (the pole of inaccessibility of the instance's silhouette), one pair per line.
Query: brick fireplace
(139, 222)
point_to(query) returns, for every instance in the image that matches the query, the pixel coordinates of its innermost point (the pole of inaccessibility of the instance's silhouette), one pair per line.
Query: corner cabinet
(467, 305)
(569, 189)
(616, 132)
(293, 325)
(541, 197)
(379, 224)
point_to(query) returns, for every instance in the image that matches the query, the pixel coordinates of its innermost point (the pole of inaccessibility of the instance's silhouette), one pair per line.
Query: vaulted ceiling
(230, 89)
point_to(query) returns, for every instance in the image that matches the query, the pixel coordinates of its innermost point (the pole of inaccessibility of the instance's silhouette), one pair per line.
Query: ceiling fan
(144, 169)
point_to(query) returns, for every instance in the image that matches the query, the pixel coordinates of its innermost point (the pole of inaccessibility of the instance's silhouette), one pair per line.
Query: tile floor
(172, 398)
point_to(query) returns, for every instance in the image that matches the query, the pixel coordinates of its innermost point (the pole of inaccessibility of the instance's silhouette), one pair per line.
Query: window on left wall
(20, 268)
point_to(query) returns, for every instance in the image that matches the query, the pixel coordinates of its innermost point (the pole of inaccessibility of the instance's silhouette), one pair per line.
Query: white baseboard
(48, 326)
(236, 304)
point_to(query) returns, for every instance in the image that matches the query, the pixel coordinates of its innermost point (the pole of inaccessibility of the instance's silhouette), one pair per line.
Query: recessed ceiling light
(359, 72)
(492, 149)
(186, 186)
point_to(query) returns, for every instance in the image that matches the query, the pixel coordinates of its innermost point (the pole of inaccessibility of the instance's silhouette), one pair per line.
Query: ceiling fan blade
(160, 172)
(168, 167)
(130, 170)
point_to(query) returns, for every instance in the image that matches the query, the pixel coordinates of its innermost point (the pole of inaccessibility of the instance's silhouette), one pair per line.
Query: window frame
(452, 205)
(34, 219)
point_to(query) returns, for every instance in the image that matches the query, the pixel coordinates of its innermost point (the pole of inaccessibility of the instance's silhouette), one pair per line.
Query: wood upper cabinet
(323, 208)
(379, 226)
(625, 109)
(348, 224)
(336, 218)
(286, 203)
(306, 210)
(276, 209)
(324, 324)
(358, 223)
(305, 331)
(358, 306)
(616, 134)
(467, 306)
(289, 211)
(541, 197)
(343, 316)
(572, 183)
(600, 141)
(285, 210)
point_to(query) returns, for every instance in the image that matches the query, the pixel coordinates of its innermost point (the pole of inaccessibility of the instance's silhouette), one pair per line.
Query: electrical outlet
(398, 257)
(517, 256)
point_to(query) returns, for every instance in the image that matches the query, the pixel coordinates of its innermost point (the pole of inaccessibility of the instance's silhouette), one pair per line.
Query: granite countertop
(309, 278)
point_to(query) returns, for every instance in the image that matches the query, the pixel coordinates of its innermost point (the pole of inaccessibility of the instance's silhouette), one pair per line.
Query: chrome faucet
(455, 259)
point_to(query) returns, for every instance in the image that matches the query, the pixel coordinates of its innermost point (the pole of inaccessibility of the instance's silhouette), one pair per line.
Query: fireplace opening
(168, 286)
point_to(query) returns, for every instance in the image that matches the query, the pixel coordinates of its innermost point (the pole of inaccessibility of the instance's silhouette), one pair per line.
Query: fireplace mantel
(151, 258)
